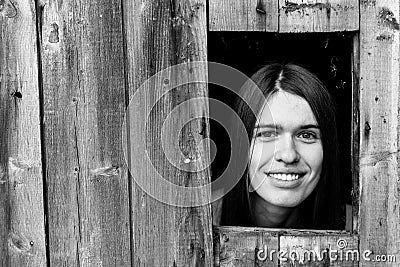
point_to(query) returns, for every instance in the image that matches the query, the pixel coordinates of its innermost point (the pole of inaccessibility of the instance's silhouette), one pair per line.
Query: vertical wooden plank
(319, 250)
(228, 15)
(161, 34)
(22, 230)
(355, 137)
(379, 227)
(246, 15)
(238, 246)
(318, 15)
(262, 15)
(84, 105)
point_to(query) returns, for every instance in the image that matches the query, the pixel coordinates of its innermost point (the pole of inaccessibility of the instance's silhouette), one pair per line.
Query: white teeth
(285, 176)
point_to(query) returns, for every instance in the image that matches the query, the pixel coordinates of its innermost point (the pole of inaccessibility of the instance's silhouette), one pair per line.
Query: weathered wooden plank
(355, 137)
(228, 15)
(319, 250)
(84, 105)
(318, 15)
(244, 15)
(22, 226)
(161, 34)
(239, 246)
(379, 226)
(246, 246)
(293, 232)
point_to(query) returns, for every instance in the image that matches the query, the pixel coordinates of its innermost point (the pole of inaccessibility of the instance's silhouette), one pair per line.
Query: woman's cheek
(260, 156)
(313, 156)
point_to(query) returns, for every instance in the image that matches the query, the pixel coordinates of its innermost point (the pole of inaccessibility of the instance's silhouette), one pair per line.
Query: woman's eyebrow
(272, 125)
(308, 126)
(278, 126)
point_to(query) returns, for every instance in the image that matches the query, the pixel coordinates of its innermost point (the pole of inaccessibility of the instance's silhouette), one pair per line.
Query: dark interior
(327, 55)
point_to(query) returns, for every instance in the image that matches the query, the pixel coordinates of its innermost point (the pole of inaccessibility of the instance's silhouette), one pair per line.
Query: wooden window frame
(239, 246)
(374, 26)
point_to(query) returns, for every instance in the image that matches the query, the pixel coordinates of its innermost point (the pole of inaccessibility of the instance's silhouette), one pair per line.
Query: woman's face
(286, 151)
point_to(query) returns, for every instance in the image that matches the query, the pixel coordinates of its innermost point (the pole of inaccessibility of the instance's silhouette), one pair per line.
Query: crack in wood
(39, 19)
(78, 185)
(291, 7)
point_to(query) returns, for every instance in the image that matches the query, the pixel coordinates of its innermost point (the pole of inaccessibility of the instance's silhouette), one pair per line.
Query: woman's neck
(267, 215)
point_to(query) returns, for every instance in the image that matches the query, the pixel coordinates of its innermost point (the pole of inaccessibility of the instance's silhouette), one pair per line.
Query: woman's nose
(285, 150)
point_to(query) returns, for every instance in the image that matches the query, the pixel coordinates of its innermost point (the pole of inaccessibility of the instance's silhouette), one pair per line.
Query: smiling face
(286, 151)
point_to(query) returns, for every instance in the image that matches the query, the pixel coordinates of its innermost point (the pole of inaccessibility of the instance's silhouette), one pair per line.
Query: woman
(291, 178)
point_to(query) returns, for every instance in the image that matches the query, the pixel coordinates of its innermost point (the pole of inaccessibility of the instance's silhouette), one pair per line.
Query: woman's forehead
(287, 110)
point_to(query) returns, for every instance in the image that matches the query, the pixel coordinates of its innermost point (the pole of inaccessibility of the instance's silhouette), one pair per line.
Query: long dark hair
(321, 210)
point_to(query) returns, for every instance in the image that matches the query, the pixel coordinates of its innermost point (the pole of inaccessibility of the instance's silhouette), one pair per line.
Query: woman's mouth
(286, 180)
(285, 176)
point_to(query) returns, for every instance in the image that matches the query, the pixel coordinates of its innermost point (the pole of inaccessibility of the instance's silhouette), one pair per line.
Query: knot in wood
(17, 94)
(53, 36)
(388, 19)
(18, 243)
(367, 127)
(8, 9)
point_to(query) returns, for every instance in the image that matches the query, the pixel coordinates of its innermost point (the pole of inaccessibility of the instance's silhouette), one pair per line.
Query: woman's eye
(266, 134)
(308, 136)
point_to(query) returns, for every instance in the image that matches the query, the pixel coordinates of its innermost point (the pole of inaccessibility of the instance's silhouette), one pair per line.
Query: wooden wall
(379, 187)
(67, 72)
(84, 96)
(68, 69)
(160, 34)
(22, 198)
(284, 15)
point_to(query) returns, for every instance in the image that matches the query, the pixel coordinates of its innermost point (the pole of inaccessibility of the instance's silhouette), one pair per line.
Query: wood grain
(246, 15)
(22, 226)
(379, 226)
(318, 15)
(246, 246)
(161, 34)
(319, 250)
(355, 137)
(84, 104)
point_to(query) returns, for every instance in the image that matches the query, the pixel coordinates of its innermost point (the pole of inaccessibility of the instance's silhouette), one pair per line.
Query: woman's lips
(285, 180)
(285, 176)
